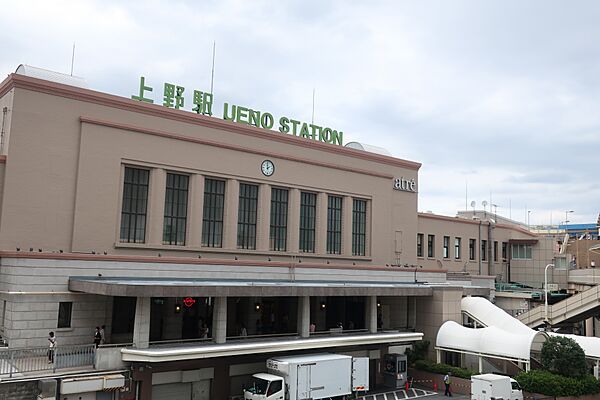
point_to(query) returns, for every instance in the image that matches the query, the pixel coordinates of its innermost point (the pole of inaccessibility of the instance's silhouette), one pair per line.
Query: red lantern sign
(189, 301)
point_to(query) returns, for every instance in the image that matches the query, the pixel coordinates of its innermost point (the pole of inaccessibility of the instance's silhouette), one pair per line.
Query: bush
(549, 384)
(443, 369)
(562, 355)
(418, 351)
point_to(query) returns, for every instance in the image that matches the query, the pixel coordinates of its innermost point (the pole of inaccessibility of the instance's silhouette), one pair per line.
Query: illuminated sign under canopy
(173, 97)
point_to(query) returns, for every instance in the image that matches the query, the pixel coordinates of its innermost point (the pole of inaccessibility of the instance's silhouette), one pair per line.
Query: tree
(418, 351)
(563, 356)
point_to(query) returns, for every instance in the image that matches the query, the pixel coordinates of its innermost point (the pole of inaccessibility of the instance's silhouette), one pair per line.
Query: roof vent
(369, 148)
(52, 76)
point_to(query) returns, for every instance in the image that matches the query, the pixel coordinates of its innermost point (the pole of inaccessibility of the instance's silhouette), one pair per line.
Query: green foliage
(430, 366)
(549, 384)
(418, 351)
(563, 356)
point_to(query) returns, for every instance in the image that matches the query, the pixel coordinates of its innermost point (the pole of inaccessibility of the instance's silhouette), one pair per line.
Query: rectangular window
(430, 246)
(176, 202)
(65, 309)
(334, 225)
(521, 251)
(446, 248)
(483, 250)
(359, 227)
(472, 246)
(212, 218)
(308, 215)
(495, 250)
(504, 252)
(279, 212)
(457, 245)
(135, 205)
(246, 231)
(419, 245)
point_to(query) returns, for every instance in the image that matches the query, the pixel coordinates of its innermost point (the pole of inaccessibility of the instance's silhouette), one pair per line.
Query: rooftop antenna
(313, 108)
(72, 58)
(212, 73)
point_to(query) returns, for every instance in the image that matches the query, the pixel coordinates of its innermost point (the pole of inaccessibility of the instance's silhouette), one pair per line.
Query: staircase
(576, 308)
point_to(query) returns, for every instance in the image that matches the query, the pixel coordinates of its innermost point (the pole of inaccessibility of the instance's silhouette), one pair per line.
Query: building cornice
(201, 261)
(91, 96)
(474, 222)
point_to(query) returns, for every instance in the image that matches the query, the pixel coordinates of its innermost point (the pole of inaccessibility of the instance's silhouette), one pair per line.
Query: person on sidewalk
(447, 384)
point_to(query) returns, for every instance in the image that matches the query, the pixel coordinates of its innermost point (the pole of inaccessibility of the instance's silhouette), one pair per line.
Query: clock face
(267, 167)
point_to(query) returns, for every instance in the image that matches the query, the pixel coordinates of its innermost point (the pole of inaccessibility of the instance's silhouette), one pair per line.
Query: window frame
(176, 205)
(430, 246)
(359, 227)
(446, 247)
(279, 217)
(213, 211)
(472, 249)
(247, 216)
(133, 223)
(64, 321)
(334, 224)
(420, 239)
(457, 248)
(308, 222)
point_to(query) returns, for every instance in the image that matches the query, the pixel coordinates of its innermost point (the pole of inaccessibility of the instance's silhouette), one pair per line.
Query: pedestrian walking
(97, 337)
(447, 384)
(51, 347)
(102, 333)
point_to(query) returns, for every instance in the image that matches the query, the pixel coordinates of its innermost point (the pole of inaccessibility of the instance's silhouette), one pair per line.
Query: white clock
(267, 167)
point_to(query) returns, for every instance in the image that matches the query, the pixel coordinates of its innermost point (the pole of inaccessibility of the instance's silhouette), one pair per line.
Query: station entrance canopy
(184, 287)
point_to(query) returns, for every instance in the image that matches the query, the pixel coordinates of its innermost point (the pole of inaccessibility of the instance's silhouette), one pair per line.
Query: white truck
(495, 387)
(314, 376)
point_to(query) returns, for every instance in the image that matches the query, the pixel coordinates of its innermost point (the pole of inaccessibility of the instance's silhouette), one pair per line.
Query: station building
(205, 246)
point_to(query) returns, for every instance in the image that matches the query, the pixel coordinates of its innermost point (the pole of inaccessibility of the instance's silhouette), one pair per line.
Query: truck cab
(265, 387)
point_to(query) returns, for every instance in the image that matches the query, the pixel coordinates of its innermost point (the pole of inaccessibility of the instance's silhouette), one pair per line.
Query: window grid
(279, 212)
(446, 247)
(504, 250)
(308, 210)
(65, 310)
(419, 245)
(483, 250)
(430, 246)
(176, 203)
(472, 245)
(521, 251)
(359, 227)
(495, 250)
(457, 248)
(248, 201)
(334, 225)
(135, 205)
(212, 219)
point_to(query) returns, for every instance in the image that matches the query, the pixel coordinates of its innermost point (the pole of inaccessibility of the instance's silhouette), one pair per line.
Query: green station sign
(173, 97)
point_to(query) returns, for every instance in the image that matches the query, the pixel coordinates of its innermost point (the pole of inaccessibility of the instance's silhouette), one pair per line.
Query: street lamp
(546, 292)
(528, 213)
(567, 219)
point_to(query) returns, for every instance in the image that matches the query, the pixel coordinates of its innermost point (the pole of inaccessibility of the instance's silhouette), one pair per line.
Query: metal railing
(16, 362)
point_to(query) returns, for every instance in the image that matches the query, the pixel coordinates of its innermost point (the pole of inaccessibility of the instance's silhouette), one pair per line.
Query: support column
(589, 327)
(141, 324)
(480, 364)
(156, 206)
(221, 381)
(219, 325)
(263, 217)
(371, 317)
(293, 232)
(304, 316)
(438, 356)
(347, 226)
(142, 376)
(230, 216)
(321, 224)
(195, 211)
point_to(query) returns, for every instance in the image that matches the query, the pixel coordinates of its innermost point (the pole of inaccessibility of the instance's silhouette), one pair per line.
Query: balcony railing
(17, 362)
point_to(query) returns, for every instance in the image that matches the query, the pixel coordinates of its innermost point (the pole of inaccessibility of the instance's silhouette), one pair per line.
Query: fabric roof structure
(491, 341)
(503, 335)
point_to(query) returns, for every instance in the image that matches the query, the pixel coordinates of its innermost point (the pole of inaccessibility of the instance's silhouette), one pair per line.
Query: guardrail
(16, 362)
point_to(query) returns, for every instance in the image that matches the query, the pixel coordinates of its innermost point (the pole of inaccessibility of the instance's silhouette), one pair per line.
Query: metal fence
(16, 362)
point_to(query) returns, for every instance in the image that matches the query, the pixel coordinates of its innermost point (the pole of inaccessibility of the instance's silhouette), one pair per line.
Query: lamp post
(528, 213)
(546, 292)
(567, 219)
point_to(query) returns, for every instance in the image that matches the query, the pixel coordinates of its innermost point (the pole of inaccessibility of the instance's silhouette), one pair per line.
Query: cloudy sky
(499, 97)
